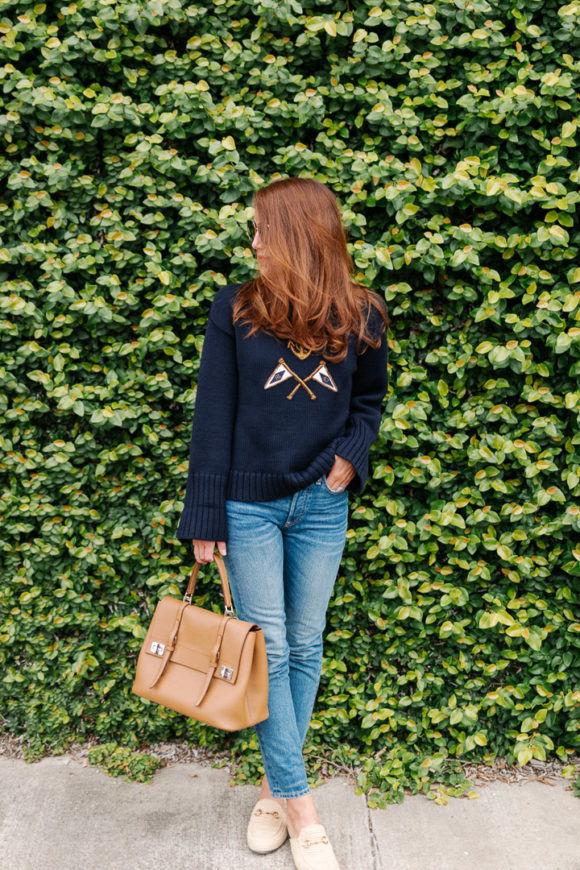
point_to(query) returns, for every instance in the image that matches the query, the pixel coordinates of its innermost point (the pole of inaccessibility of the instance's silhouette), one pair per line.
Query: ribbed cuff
(354, 447)
(204, 515)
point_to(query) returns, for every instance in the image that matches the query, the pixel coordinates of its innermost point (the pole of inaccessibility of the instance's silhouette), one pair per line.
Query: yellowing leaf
(563, 342)
(446, 629)
(493, 186)
(551, 79)
(568, 129)
(524, 755)
(559, 232)
(228, 143)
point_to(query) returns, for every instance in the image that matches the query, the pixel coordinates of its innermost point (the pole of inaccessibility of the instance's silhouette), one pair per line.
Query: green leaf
(524, 756)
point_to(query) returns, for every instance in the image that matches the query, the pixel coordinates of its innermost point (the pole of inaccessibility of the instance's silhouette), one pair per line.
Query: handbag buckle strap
(228, 611)
(217, 558)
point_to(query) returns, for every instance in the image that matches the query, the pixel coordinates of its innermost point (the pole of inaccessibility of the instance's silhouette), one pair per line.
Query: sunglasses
(253, 228)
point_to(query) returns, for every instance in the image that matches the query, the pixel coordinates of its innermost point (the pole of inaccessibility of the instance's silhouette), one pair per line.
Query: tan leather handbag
(209, 667)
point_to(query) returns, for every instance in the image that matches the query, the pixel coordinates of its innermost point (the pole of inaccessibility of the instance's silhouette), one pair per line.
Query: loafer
(311, 850)
(267, 828)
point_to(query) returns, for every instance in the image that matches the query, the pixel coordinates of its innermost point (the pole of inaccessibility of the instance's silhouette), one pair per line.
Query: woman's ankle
(265, 793)
(300, 812)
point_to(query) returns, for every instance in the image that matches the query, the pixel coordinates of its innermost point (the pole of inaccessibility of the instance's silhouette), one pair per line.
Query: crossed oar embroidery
(283, 371)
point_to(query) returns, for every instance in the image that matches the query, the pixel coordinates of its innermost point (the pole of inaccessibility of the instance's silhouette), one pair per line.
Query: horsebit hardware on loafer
(309, 843)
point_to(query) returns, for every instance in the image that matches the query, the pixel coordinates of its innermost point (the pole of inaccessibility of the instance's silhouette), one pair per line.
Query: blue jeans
(283, 558)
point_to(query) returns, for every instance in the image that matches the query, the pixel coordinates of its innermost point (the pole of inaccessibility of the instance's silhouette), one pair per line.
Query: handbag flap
(197, 638)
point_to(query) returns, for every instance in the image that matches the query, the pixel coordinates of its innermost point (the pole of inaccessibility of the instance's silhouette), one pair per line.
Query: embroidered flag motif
(322, 375)
(283, 371)
(279, 375)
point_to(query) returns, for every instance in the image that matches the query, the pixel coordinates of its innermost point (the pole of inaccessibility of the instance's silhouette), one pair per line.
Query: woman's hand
(341, 473)
(204, 550)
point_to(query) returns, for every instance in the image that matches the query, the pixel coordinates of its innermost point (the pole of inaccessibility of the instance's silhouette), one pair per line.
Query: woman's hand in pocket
(341, 474)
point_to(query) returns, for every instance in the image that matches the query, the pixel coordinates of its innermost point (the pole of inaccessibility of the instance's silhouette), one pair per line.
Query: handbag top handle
(229, 609)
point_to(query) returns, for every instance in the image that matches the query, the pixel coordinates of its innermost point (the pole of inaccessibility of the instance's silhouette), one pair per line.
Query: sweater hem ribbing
(267, 486)
(200, 521)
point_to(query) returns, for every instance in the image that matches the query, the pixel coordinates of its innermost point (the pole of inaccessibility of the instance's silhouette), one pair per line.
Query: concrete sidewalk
(59, 814)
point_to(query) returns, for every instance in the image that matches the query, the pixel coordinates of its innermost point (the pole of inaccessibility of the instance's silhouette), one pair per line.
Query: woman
(292, 375)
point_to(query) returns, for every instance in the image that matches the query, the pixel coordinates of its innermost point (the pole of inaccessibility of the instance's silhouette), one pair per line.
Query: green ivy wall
(132, 137)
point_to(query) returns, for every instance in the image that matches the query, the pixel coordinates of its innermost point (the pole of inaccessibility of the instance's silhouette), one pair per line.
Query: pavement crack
(375, 853)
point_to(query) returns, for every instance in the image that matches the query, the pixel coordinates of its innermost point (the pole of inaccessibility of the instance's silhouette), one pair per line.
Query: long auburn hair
(307, 294)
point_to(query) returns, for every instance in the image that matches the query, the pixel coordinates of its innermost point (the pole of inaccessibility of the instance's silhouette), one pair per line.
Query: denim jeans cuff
(288, 795)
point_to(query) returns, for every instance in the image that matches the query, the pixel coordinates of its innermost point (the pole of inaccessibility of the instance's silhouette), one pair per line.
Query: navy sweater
(268, 423)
